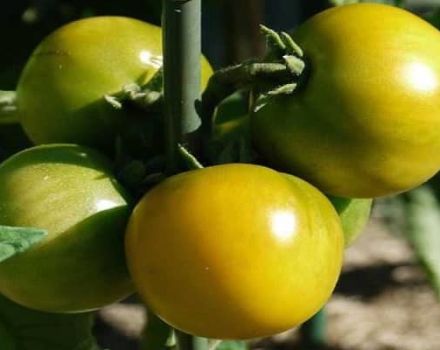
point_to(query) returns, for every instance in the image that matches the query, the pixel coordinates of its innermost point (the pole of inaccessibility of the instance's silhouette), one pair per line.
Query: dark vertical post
(181, 24)
(182, 50)
(313, 332)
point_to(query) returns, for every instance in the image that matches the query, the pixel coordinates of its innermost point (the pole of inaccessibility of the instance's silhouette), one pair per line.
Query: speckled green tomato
(234, 251)
(69, 191)
(366, 121)
(62, 87)
(354, 214)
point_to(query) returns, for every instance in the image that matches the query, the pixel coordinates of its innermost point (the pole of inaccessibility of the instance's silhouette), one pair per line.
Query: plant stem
(8, 107)
(313, 331)
(181, 24)
(186, 342)
(182, 51)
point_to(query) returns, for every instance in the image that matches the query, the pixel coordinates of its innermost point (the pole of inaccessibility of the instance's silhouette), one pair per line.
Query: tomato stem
(228, 80)
(187, 342)
(313, 331)
(189, 159)
(148, 97)
(8, 107)
(280, 72)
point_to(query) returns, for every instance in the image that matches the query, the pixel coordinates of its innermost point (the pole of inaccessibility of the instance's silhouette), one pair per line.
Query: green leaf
(343, 2)
(423, 230)
(14, 240)
(232, 345)
(354, 214)
(230, 140)
(346, 2)
(24, 329)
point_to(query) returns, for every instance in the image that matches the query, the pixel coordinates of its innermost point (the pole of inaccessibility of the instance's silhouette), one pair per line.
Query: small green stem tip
(8, 107)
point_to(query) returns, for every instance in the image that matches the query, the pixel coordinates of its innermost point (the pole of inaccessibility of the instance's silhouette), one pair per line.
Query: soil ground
(382, 302)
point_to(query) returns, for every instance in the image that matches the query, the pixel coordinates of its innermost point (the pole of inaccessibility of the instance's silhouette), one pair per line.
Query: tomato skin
(366, 122)
(234, 251)
(69, 191)
(61, 89)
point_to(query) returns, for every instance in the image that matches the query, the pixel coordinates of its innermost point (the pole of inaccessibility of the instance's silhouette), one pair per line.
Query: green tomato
(366, 121)
(61, 91)
(69, 191)
(354, 214)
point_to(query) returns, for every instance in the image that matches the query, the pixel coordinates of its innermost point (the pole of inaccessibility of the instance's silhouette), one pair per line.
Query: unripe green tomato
(62, 87)
(354, 214)
(69, 191)
(366, 120)
(234, 251)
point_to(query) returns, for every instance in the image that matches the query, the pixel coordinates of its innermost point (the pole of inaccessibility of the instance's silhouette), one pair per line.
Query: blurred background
(387, 297)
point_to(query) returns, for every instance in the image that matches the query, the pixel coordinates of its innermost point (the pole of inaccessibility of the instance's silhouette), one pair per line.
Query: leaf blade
(423, 230)
(15, 240)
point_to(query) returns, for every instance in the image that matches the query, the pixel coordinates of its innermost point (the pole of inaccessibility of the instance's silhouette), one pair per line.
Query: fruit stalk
(313, 331)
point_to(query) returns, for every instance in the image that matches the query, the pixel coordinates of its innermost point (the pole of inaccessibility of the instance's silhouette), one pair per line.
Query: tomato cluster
(230, 250)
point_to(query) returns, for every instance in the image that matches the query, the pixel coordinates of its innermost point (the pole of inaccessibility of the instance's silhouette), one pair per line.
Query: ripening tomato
(69, 191)
(61, 91)
(234, 251)
(366, 120)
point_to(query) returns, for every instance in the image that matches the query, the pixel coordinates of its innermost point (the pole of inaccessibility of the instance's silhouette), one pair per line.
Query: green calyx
(147, 98)
(283, 49)
(280, 72)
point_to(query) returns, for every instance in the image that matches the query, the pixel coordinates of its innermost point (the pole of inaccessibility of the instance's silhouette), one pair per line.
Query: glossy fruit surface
(366, 121)
(61, 90)
(69, 191)
(354, 214)
(234, 251)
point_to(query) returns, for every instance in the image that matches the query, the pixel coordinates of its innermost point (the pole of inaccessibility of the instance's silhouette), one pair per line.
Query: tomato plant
(232, 251)
(69, 191)
(61, 90)
(220, 262)
(365, 120)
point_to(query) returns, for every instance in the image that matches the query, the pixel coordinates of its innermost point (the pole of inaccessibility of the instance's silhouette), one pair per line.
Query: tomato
(354, 214)
(366, 120)
(61, 91)
(69, 191)
(234, 251)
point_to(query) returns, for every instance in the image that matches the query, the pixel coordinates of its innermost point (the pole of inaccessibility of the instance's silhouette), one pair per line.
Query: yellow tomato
(366, 120)
(234, 251)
